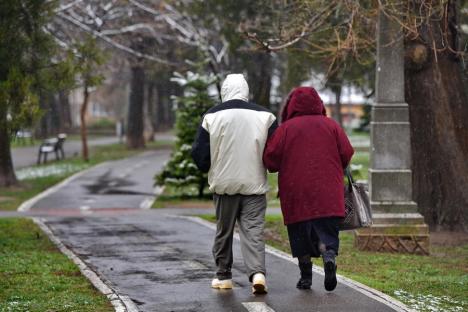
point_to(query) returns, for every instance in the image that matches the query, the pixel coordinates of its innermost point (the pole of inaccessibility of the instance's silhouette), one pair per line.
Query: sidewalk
(161, 260)
(164, 263)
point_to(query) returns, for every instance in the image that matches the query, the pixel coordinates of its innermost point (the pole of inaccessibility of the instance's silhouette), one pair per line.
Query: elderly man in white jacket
(229, 146)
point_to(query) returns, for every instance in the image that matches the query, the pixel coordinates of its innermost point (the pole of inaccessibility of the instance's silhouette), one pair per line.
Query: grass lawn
(35, 276)
(360, 159)
(438, 282)
(357, 133)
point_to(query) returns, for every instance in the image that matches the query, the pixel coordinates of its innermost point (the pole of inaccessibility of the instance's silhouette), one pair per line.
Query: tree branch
(67, 6)
(113, 42)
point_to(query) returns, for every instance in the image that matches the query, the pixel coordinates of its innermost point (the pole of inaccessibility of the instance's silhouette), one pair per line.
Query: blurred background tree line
(68, 63)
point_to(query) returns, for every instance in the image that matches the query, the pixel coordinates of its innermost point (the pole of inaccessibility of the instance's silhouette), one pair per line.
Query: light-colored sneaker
(259, 284)
(221, 284)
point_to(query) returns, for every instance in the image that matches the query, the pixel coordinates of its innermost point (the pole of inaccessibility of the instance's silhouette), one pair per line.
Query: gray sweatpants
(249, 211)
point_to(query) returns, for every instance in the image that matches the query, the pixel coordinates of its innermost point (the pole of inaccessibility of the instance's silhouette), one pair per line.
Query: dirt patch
(445, 238)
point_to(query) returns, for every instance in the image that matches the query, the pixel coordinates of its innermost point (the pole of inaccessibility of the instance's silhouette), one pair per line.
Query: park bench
(53, 145)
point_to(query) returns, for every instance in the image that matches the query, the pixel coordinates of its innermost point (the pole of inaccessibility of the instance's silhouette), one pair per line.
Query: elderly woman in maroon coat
(310, 152)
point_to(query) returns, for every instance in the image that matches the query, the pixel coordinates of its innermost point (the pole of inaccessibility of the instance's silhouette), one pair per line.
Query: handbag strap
(349, 177)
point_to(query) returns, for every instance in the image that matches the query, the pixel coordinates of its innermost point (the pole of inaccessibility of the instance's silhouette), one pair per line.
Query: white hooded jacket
(231, 139)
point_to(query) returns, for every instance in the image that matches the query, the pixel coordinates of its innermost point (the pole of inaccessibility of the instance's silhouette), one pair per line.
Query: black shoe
(329, 267)
(304, 283)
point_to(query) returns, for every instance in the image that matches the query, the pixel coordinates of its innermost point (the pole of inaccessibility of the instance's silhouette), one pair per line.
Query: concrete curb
(363, 289)
(121, 303)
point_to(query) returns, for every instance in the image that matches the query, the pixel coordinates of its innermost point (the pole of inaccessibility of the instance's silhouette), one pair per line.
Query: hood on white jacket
(235, 88)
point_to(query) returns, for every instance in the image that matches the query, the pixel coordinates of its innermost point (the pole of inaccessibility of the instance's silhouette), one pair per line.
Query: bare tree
(142, 31)
(436, 90)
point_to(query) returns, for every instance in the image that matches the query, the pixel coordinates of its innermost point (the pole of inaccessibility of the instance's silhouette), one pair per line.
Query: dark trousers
(314, 237)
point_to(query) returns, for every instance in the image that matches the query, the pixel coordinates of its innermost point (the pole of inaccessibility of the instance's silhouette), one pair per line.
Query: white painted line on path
(257, 307)
(120, 303)
(363, 289)
(148, 202)
(85, 210)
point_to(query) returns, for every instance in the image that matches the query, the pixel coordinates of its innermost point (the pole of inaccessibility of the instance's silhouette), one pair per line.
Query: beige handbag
(358, 212)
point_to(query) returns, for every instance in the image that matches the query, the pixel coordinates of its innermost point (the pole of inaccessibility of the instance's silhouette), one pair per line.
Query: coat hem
(307, 218)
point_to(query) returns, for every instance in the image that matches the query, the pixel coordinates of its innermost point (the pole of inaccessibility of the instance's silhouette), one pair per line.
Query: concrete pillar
(398, 227)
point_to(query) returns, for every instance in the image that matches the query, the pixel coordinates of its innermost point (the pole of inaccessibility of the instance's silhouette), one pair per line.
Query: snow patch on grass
(17, 303)
(49, 170)
(430, 303)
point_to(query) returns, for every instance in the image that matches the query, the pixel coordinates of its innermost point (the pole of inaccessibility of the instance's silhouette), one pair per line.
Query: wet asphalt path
(126, 183)
(163, 261)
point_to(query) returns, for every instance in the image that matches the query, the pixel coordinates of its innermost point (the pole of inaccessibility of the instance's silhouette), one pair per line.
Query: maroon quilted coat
(310, 151)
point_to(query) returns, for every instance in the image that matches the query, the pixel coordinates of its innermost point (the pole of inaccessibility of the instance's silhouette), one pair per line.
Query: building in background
(353, 103)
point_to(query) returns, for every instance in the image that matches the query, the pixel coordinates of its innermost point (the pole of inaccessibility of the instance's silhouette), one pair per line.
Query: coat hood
(235, 88)
(303, 101)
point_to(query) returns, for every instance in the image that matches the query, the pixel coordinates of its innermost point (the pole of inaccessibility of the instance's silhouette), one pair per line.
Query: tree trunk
(337, 115)
(201, 189)
(335, 84)
(65, 112)
(164, 106)
(55, 114)
(436, 94)
(150, 103)
(44, 124)
(259, 71)
(50, 123)
(7, 173)
(160, 109)
(215, 71)
(135, 128)
(83, 130)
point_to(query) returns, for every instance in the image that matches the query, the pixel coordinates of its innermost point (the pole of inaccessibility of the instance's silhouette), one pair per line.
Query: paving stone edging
(121, 303)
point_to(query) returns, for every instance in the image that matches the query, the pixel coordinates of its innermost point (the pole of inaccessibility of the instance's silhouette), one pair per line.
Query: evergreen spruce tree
(181, 171)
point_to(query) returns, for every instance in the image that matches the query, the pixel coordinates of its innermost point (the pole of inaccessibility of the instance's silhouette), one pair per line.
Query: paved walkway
(162, 260)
